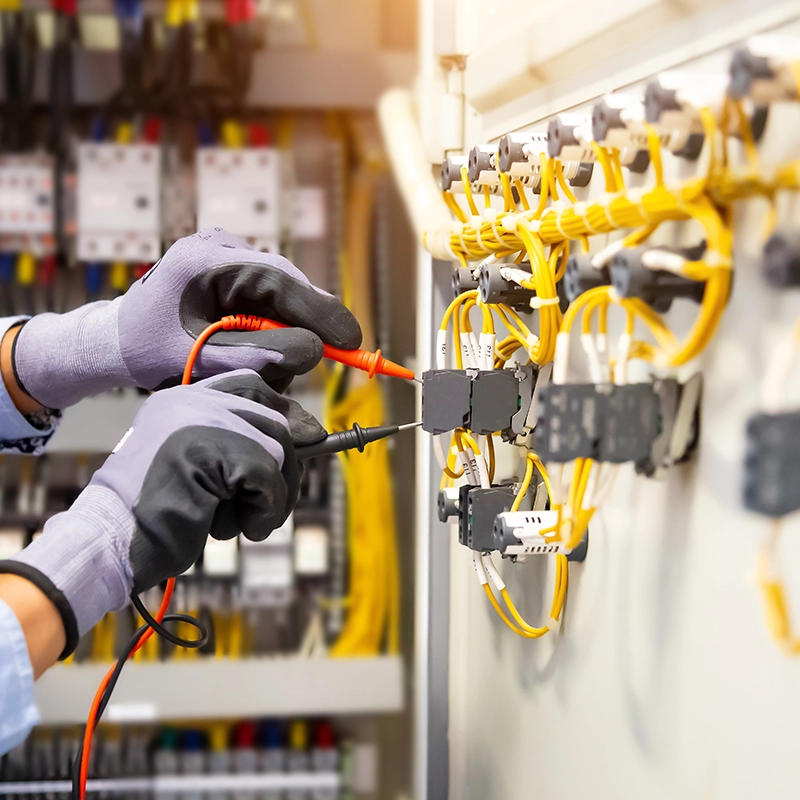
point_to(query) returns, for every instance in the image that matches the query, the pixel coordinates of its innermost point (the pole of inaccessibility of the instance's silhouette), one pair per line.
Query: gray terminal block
(494, 288)
(772, 464)
(569, 422)
(657, 287)
(450, 173)
(477, 511)
(495, 400)
(581, 275)
(463, 281)
(630, 423)
(448, 503)
(446, 400)
(781, 260)
(483, 401)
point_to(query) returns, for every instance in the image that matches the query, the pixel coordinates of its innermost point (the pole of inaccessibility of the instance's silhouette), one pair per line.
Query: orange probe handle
(371, 363)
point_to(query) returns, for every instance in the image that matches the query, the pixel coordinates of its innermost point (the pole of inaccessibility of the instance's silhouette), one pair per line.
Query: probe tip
(408, 426)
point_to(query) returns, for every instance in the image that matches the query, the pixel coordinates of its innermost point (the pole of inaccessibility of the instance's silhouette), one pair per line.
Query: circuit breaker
(26, 204)
(239, 189)
(119, 202)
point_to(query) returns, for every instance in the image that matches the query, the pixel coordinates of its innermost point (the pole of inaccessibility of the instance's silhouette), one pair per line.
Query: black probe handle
(357, 438)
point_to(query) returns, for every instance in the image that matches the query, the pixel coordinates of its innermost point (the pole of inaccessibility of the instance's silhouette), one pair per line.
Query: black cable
(158, 627)
(150, 622)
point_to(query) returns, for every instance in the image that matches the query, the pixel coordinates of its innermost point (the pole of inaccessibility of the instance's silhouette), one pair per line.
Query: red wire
(162, 609)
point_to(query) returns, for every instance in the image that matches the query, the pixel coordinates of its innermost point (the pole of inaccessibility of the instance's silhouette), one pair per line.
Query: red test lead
(371, 363)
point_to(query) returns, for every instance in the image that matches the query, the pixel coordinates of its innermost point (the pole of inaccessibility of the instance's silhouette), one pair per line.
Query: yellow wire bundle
(374, 597)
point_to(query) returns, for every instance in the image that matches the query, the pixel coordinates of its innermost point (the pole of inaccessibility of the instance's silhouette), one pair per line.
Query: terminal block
(781, 261)
(605, 422)
(451, 173)
(618, 122)
(482, 166)
(518, 534)
(463, 281)
(674, 100)
(772, 464)
(679, 424)
(494, 288)
(581, 275)
(483, 401)
(569, 138)
(519, 156)
(762, 71)
(634, 273)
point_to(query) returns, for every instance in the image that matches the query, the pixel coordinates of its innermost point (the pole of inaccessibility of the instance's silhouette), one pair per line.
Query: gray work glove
(143, 338)
(216, 457)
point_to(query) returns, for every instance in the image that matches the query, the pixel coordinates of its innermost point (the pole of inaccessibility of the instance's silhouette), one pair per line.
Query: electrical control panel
(240, 189)
(119, 202)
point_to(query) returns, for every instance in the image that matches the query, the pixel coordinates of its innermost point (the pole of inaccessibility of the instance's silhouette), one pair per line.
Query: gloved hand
(143, 338)
(216, 457)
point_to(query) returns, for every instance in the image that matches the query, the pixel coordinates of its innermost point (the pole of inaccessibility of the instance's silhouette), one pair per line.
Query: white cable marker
(441, 349)
(621, 368)
(601, 342)
(561, 359)
(592, 357)
(778, 370)
(438, 451)
(466, 463)
(515, 274)
(486, 346)
(478, 466)
(475, 347)
(466, 351)
(480, 570)
(491, 571)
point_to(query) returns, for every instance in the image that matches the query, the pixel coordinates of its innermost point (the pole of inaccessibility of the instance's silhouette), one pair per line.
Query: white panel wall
(663, 682)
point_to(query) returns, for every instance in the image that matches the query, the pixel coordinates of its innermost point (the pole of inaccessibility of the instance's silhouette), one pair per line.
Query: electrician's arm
(24, 403)
(38, 618)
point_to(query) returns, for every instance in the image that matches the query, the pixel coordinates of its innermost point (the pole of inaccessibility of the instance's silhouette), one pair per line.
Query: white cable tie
(497, 234)
(561, 358)
(538, 302)
(581, 209)
(531, 225)
(605, 203)
(553, 624)
(491, 571)
(509, 221)
(480, 570)
(602, 257)
(636, 196)
(532, 340)
(558, 209)
(713, 258)
(489, 214)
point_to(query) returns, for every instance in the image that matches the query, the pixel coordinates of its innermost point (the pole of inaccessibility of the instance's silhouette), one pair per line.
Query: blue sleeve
(17, 434)
(18, 713)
